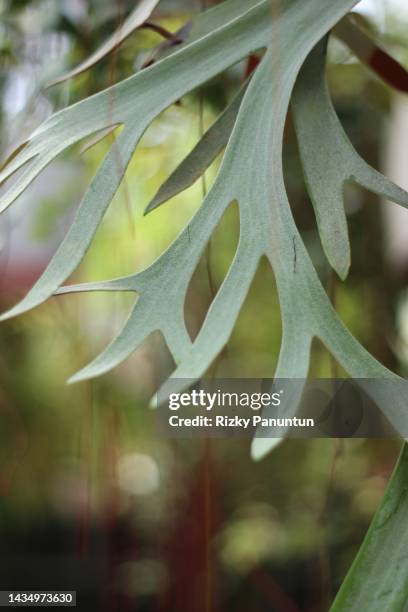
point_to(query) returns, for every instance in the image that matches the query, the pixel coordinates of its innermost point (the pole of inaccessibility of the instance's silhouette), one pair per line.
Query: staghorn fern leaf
(133, 103)
(250, 173)
(200, 158)
(329, 160)
(323, 145)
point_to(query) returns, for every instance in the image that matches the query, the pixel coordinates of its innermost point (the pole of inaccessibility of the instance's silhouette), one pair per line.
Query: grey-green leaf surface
(133, 103)
(329, 160)
(244, 176)
(250, 174)
(200, 158)
(378, 578)
(137, 17)
(267, 227)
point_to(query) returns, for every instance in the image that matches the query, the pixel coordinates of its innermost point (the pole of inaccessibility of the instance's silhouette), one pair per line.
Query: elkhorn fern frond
(251, 174)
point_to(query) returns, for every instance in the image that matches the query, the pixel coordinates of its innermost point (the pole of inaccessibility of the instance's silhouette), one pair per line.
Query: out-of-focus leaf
(369, 52)
(329, 160)
(201, 157)
(97, 138)
(378, 578)
(167, 46)
(13, 154)
(136, 18)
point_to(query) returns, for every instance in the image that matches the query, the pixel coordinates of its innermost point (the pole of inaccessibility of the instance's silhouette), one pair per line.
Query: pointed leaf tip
(135, 19)
(202, 155)
(260, 447)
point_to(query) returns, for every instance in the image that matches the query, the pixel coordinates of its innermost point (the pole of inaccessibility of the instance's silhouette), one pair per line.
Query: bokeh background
(91, 497)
